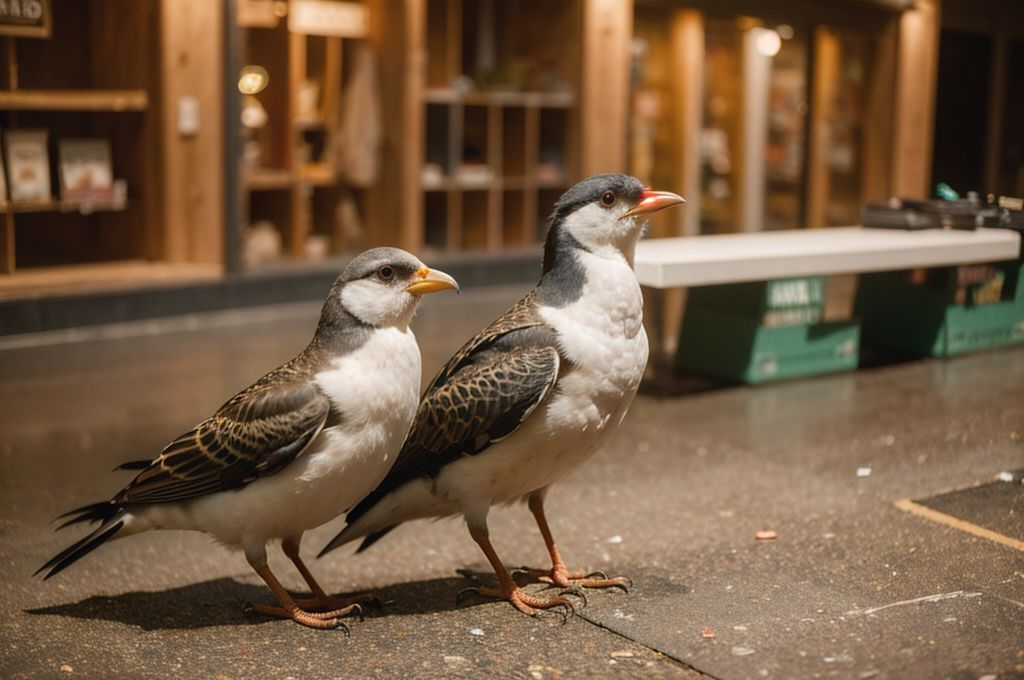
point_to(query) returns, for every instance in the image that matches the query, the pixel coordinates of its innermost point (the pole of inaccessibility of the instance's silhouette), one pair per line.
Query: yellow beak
(431, 281)
(653, 201)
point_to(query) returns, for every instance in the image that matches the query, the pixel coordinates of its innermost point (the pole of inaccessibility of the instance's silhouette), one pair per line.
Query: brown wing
(520, 316)
(498, 385)
(255, 434)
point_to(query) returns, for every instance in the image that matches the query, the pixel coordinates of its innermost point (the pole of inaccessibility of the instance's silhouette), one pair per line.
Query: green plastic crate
(924, 320)
(797, 297)
(739, 348)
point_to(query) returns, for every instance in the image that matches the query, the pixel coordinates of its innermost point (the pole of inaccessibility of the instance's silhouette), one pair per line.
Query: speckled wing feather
(255, 434)
(520, 316)
(482, 395)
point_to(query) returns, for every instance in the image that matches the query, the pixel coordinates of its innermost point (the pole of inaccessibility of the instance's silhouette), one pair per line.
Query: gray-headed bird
(534, 394)
(296, 448)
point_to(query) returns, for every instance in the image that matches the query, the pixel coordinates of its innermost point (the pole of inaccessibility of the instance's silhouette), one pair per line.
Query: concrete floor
(852, 587)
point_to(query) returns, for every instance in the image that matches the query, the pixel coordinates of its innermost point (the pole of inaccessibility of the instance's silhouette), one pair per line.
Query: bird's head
(382, 287)
(604, 214)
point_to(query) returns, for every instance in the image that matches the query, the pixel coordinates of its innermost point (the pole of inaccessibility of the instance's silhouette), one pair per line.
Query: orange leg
(320, 599)
(289, 609)
(507, 588)
(559, 574)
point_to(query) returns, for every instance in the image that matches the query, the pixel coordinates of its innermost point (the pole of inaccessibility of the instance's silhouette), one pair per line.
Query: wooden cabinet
(483, 126)
(124, 72)
(292, 188)
(47, 85)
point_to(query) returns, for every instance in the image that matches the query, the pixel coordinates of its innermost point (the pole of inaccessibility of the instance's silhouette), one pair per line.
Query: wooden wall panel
(193, 178)
(916, 69)
(604, 100)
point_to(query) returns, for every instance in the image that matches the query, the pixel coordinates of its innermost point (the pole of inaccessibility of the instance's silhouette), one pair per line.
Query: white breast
(602, 336)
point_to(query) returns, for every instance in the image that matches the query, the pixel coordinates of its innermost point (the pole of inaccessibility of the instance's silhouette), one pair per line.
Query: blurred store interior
(171, 155)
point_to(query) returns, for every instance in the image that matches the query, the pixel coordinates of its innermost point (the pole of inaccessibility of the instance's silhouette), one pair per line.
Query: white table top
(763, 256)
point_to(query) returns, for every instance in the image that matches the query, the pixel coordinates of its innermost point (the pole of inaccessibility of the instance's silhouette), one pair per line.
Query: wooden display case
(484, 130)
(108, 98)
(120, 72)
(289, 173)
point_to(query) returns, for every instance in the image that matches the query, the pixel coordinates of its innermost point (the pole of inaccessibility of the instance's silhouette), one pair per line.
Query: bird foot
(563, 578)
(523, 601)
(329, 602)
(319, 620)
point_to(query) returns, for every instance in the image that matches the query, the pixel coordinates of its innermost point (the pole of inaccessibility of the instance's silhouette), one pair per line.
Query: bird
(296, 448)
(534, 394)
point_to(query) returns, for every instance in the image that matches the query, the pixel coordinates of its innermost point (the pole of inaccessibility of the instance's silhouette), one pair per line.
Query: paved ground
(852, 587)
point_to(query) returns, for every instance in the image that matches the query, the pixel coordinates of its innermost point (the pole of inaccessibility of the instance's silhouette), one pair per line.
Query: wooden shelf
(59, 205)
(74, 100)
(267, 179)
(550, 100)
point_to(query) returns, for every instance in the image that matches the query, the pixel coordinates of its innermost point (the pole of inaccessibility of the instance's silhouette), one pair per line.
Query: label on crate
(795, 293)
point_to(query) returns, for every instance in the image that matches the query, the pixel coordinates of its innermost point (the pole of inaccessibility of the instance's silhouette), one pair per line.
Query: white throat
(373, 304)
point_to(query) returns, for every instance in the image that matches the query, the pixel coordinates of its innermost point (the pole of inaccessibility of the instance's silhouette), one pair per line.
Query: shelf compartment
(513, 142)
(476, 220)
(516, 229)
(435, 220)
(74, 100)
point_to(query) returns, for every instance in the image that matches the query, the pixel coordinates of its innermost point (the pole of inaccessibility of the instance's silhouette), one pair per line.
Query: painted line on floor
(957, 523)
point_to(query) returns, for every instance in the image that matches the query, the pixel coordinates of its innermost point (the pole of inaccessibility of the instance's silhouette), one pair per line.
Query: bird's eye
(608, 199)
(386, 273)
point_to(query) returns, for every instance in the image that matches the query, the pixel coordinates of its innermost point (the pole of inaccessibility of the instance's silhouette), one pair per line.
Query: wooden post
(825, 77)
(876, 150)
(917, 64)
(604, 86)
(192, 186)
(394, 205)
(687, 49)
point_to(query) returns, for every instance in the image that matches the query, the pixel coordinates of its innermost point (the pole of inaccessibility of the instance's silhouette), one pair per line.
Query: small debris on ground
(1005, 476)
(479, 632)
(624, 654)
(863, 472)
(615, 539)
(740, 650)
(708, 633)
(66, 668)
(766, 535)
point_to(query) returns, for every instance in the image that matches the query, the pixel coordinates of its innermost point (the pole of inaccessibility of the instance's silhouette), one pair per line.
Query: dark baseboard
(252, 289)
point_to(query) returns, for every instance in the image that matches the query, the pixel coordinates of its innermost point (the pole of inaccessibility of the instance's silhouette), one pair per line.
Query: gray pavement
(852, 587)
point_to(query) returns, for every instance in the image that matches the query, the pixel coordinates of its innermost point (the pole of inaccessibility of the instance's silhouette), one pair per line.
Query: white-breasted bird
(534, 394)
(296, 448)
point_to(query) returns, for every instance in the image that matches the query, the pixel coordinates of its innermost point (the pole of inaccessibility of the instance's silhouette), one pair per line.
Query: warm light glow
(785, 31)
(767, 41)
(253, 79)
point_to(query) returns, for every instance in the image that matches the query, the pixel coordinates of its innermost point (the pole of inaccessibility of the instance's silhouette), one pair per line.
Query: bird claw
(578, 591)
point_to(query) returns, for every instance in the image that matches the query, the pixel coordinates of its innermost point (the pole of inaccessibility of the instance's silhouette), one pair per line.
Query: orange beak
(431, 281)
(653, 201)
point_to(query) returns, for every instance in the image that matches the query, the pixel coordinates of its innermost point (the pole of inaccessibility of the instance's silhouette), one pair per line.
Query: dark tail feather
(134, 465)
(373, 538)
(79, 549)
(94, 512)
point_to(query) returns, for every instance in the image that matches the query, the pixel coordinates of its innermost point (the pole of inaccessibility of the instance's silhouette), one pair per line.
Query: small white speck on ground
(622, 654)
(863, 472)
(740, 650)
(615, 540)
(478, 632)
(66, 668)
(1005, 476)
